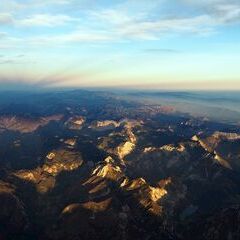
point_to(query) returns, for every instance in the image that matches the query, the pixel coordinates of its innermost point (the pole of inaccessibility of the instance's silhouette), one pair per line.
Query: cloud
(118, 22)
(37, 20)
(112, 26)
(5, 19)
(155, 29)
(20, 56)
(148, 24)
(15, 59)
(227, 13)
(221, 11)
(72, 37)
(141, 26)
(3, 35)
(113, 16)
(161, 50)
(45, 20)
(7, 61)
(15, 6)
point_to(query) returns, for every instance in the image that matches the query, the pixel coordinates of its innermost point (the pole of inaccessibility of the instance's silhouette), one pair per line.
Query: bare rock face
(139, 175)
(109, 170)
(103, 215)
(154, 163)
(56, 162)
(224, 146)
(124, 149)
(105, 125)
(75, 123)
(63, 160)
(13, 219)
(122, 142)
(147, 196)
(25, 125)
(134, 188)
(71, 142)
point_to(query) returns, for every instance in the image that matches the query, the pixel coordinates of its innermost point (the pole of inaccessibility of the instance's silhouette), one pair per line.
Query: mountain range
(102, 165)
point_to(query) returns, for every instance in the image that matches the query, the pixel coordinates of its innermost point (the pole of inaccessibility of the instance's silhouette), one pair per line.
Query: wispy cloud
(5, 19)
(15, 59)
(124, 25)
(155, 29)
(115, 23)
(37, 20)
(221, 11)
(20, 56)
(72, 37)
(228, 13)
(161, 50)
(7, 61)
(3, 35)
(15, 5)
(45, 20)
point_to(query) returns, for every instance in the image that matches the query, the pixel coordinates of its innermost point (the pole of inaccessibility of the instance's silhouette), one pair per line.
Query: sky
(172, 44)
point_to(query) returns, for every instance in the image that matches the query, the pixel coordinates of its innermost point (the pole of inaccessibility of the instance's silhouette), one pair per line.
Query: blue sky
(186, 44)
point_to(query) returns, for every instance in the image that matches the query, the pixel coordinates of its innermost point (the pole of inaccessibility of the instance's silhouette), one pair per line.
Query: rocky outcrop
(56, 162)
(127, 147)
(224, 147)
(75, 123)
(25, 125)
(121, 143)
(141, 178)
(147, 196)
(124, 149)
(105, 125)
(70, 142)
(109, 169)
